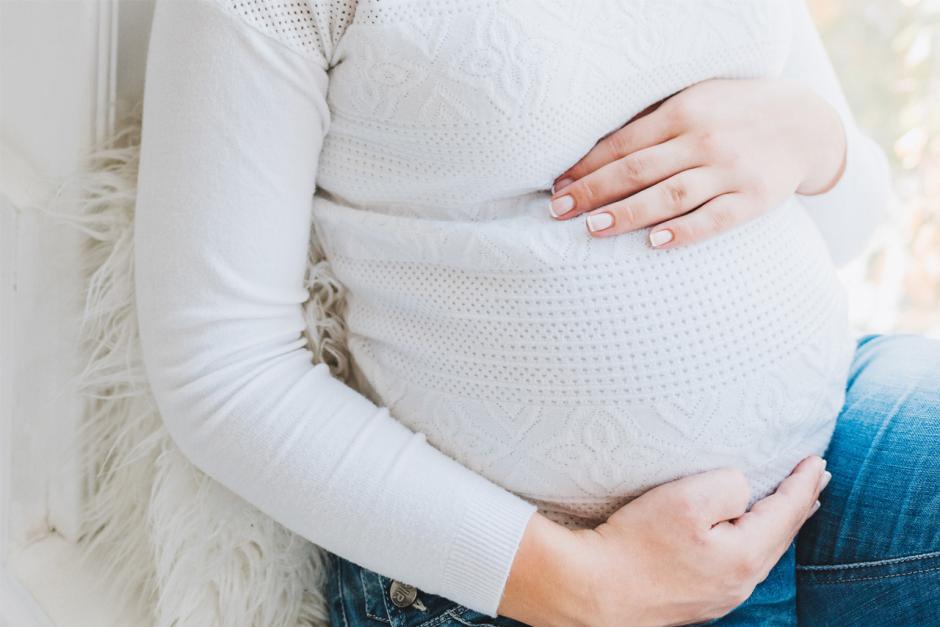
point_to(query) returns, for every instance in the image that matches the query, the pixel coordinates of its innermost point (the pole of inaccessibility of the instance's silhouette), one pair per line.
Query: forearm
(233, 126)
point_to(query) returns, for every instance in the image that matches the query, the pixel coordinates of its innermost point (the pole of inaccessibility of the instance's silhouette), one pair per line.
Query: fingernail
(562, 184)
(561, 206)
(815, 508)
(658, 238)
(824, 480)
(600, 221)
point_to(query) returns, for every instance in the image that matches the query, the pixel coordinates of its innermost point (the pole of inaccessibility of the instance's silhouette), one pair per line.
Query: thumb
(713, 496)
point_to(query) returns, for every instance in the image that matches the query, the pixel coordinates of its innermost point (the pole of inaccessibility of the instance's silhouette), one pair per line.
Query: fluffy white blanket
(185, 548)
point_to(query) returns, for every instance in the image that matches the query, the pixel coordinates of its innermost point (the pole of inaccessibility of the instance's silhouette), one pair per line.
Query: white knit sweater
(512, 361)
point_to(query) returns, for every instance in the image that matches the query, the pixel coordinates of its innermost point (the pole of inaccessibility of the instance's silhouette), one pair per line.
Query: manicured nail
(824, 480)
(561, 206)
(815, 508)
(658, 238)
(562, 184)
(600, 221)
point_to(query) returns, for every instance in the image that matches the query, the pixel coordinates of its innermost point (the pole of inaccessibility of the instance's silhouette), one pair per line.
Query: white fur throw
(184, 547)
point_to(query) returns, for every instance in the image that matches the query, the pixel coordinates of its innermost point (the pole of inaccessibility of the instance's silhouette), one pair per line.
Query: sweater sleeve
(234, 118)
(848, 213)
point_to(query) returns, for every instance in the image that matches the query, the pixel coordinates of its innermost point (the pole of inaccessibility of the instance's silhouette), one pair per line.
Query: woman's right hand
(684, 552)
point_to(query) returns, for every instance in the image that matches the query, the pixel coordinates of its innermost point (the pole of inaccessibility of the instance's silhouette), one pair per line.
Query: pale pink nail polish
(600, 221)
(658, 238)
(561, 206)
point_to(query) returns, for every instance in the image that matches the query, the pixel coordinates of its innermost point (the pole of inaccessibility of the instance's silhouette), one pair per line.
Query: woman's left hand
(708, 158)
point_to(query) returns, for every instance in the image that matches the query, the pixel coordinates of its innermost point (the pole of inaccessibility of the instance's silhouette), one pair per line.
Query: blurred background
(887, 53)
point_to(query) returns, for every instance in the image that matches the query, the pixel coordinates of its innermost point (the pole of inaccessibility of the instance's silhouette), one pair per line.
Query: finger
(673, 197)
(773, 522)
(823, 482)
(716, 216)
(643, 131)
(645, 111)
(624, 177)
(707, 498)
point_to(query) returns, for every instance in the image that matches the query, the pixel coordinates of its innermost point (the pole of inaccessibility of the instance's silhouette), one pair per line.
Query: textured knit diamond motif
(576, 372)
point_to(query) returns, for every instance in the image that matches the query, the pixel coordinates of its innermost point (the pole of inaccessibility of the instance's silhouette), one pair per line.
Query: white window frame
(40, 410)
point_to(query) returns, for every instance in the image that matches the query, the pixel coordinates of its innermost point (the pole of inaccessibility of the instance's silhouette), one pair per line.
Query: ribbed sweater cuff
(484, 548)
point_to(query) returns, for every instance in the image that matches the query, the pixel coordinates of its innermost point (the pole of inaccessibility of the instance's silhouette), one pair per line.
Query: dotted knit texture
(507, 362)
(307, 26)
(576, 373)
(581, 374)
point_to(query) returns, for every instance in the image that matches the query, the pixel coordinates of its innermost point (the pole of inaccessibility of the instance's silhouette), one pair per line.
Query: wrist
(549, 582)
(826, 151)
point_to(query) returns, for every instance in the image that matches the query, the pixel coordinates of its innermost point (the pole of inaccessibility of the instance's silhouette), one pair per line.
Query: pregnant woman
(597, 335)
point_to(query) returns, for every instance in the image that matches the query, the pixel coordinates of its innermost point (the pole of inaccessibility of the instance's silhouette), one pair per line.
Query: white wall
(49, 102)
(64, 74)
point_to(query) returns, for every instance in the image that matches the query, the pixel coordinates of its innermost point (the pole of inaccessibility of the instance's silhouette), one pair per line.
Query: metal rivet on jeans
(401, 594)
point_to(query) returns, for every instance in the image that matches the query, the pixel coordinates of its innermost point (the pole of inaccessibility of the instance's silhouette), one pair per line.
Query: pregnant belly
(579, 372)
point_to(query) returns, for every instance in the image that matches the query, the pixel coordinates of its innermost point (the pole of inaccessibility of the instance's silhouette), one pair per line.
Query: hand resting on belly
(704, 161)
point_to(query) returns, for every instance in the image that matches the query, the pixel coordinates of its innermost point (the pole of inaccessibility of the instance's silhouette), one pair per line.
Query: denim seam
(339, 591)
(461, 620)
(857, 579)
(887, 562)
(365, 598)
(438, 620)
(389, 612)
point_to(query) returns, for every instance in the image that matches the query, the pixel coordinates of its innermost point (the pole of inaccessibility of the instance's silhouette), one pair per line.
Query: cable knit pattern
(506, 362)
(577, 373)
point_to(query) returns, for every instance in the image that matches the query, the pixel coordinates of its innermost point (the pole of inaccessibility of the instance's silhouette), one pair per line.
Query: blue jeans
(869, 557)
